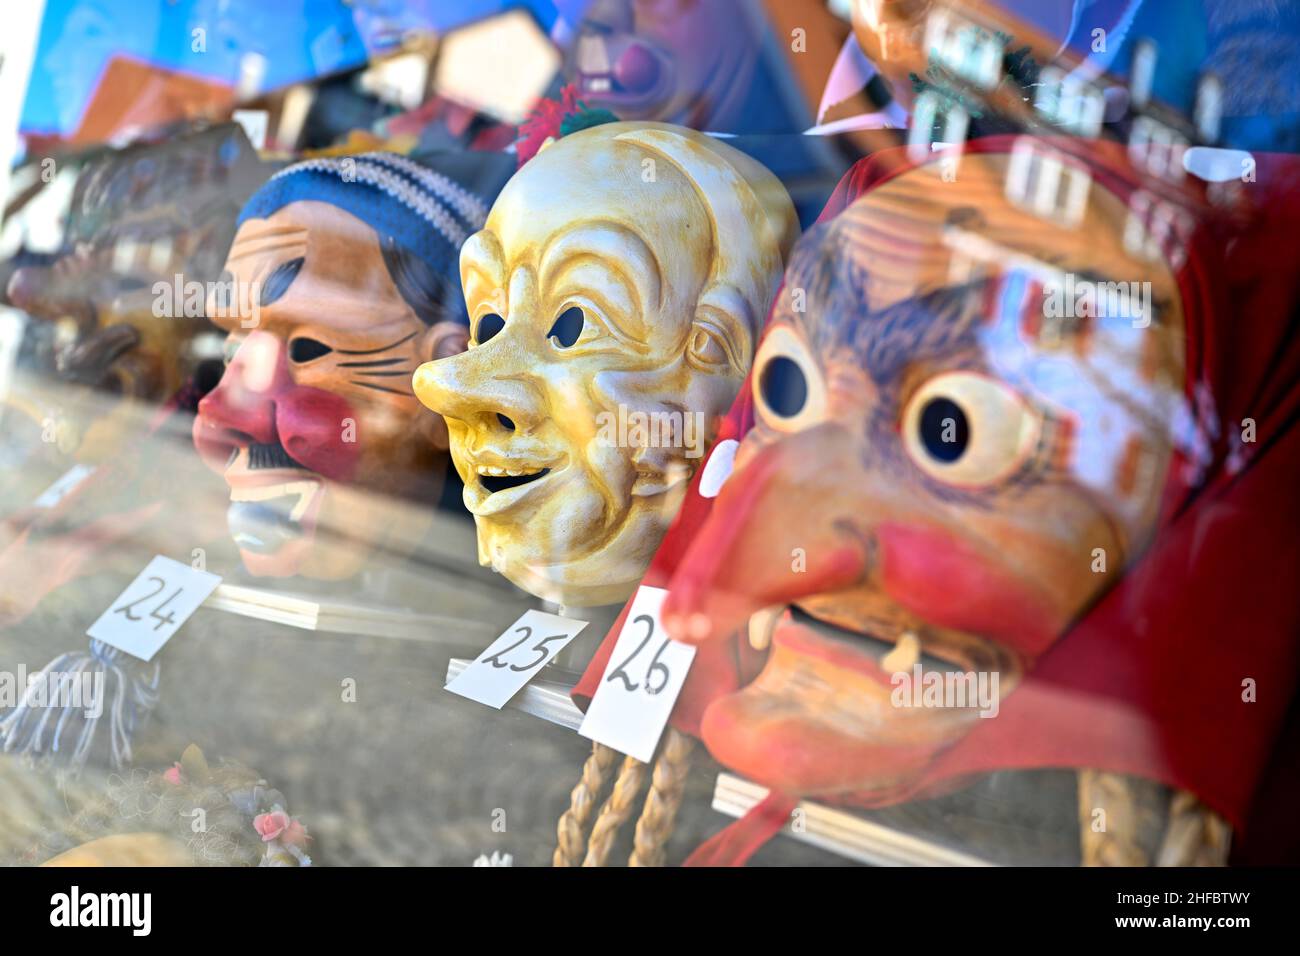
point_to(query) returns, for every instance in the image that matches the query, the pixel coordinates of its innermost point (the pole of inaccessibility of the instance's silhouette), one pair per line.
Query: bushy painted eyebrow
(278, 282)
(838, 314)
(937, 323)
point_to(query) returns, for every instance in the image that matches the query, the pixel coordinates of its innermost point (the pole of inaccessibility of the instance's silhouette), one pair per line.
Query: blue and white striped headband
(430, 214)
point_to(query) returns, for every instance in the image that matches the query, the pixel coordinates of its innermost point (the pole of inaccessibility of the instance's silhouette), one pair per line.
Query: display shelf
(841, 833)
(311, 614)
(548, 700)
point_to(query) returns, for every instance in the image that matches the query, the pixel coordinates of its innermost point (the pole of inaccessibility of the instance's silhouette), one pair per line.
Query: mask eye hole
(788, 386)
(943, 429)
(968, 429)
(568, 327)
(488, 326)
(307, 350)
(230, 347)
(784, 386)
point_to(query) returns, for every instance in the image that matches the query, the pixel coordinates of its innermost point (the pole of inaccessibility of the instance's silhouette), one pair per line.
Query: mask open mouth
(901, 654)
(499, 479)
(264, 519)
(619, 70)
(602, 83)
(826, 714)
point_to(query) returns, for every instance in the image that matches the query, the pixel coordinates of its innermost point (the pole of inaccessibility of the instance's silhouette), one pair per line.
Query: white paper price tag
(74, 476)
(515, 658)
(153, 607)
(12, 325)
(641, 682)
(254, 123)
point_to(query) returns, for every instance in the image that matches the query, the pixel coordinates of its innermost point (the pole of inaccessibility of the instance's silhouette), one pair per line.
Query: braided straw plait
(616, 811)
(1195, 835)
(571, 832)
(1114, 814)
(1147, 825)
(658, 815)
(668, 783)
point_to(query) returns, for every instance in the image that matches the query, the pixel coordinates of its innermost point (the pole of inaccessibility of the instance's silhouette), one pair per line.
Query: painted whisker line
(371, 364)
(379, 388)
(382, 348)
(405, 371)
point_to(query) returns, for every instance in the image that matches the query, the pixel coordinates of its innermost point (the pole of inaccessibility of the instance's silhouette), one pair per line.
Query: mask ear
(443, 340)
(439, 341)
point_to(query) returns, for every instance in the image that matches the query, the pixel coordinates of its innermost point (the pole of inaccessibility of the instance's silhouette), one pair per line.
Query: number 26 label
(641, 682)
(512, 660)
(153, 607)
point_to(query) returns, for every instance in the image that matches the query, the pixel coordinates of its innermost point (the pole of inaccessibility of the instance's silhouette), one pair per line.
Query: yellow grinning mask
(615, 297)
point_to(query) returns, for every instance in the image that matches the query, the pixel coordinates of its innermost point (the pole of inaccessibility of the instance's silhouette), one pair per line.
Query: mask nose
(51, 293)
(605, 16)
(241, 410)
(475, 389)
(770, 539)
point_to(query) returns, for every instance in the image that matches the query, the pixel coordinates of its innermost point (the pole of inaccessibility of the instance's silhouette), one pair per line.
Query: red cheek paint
(308, 422)
(311, 423)
(940, 578)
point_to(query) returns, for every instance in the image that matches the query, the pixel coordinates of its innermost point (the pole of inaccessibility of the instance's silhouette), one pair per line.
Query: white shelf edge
(842, 833)
(545, 699)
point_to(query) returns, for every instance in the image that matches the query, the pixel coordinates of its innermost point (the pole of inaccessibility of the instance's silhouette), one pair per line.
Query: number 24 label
(169, 618)
(641, 682)
(153, 607)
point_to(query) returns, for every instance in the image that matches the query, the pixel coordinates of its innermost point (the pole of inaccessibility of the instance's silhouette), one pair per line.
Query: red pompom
(544, 123)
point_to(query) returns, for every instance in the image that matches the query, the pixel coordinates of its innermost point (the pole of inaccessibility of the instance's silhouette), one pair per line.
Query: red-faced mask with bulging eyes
(987, 474)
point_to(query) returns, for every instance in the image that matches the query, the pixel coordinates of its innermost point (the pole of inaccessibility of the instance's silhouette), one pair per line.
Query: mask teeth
(762, 624)
(904, 655)
(305, 490)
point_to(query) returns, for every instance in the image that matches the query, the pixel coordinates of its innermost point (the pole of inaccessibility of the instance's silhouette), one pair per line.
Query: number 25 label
(515, 657)
(153, 607)
(641, 681)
